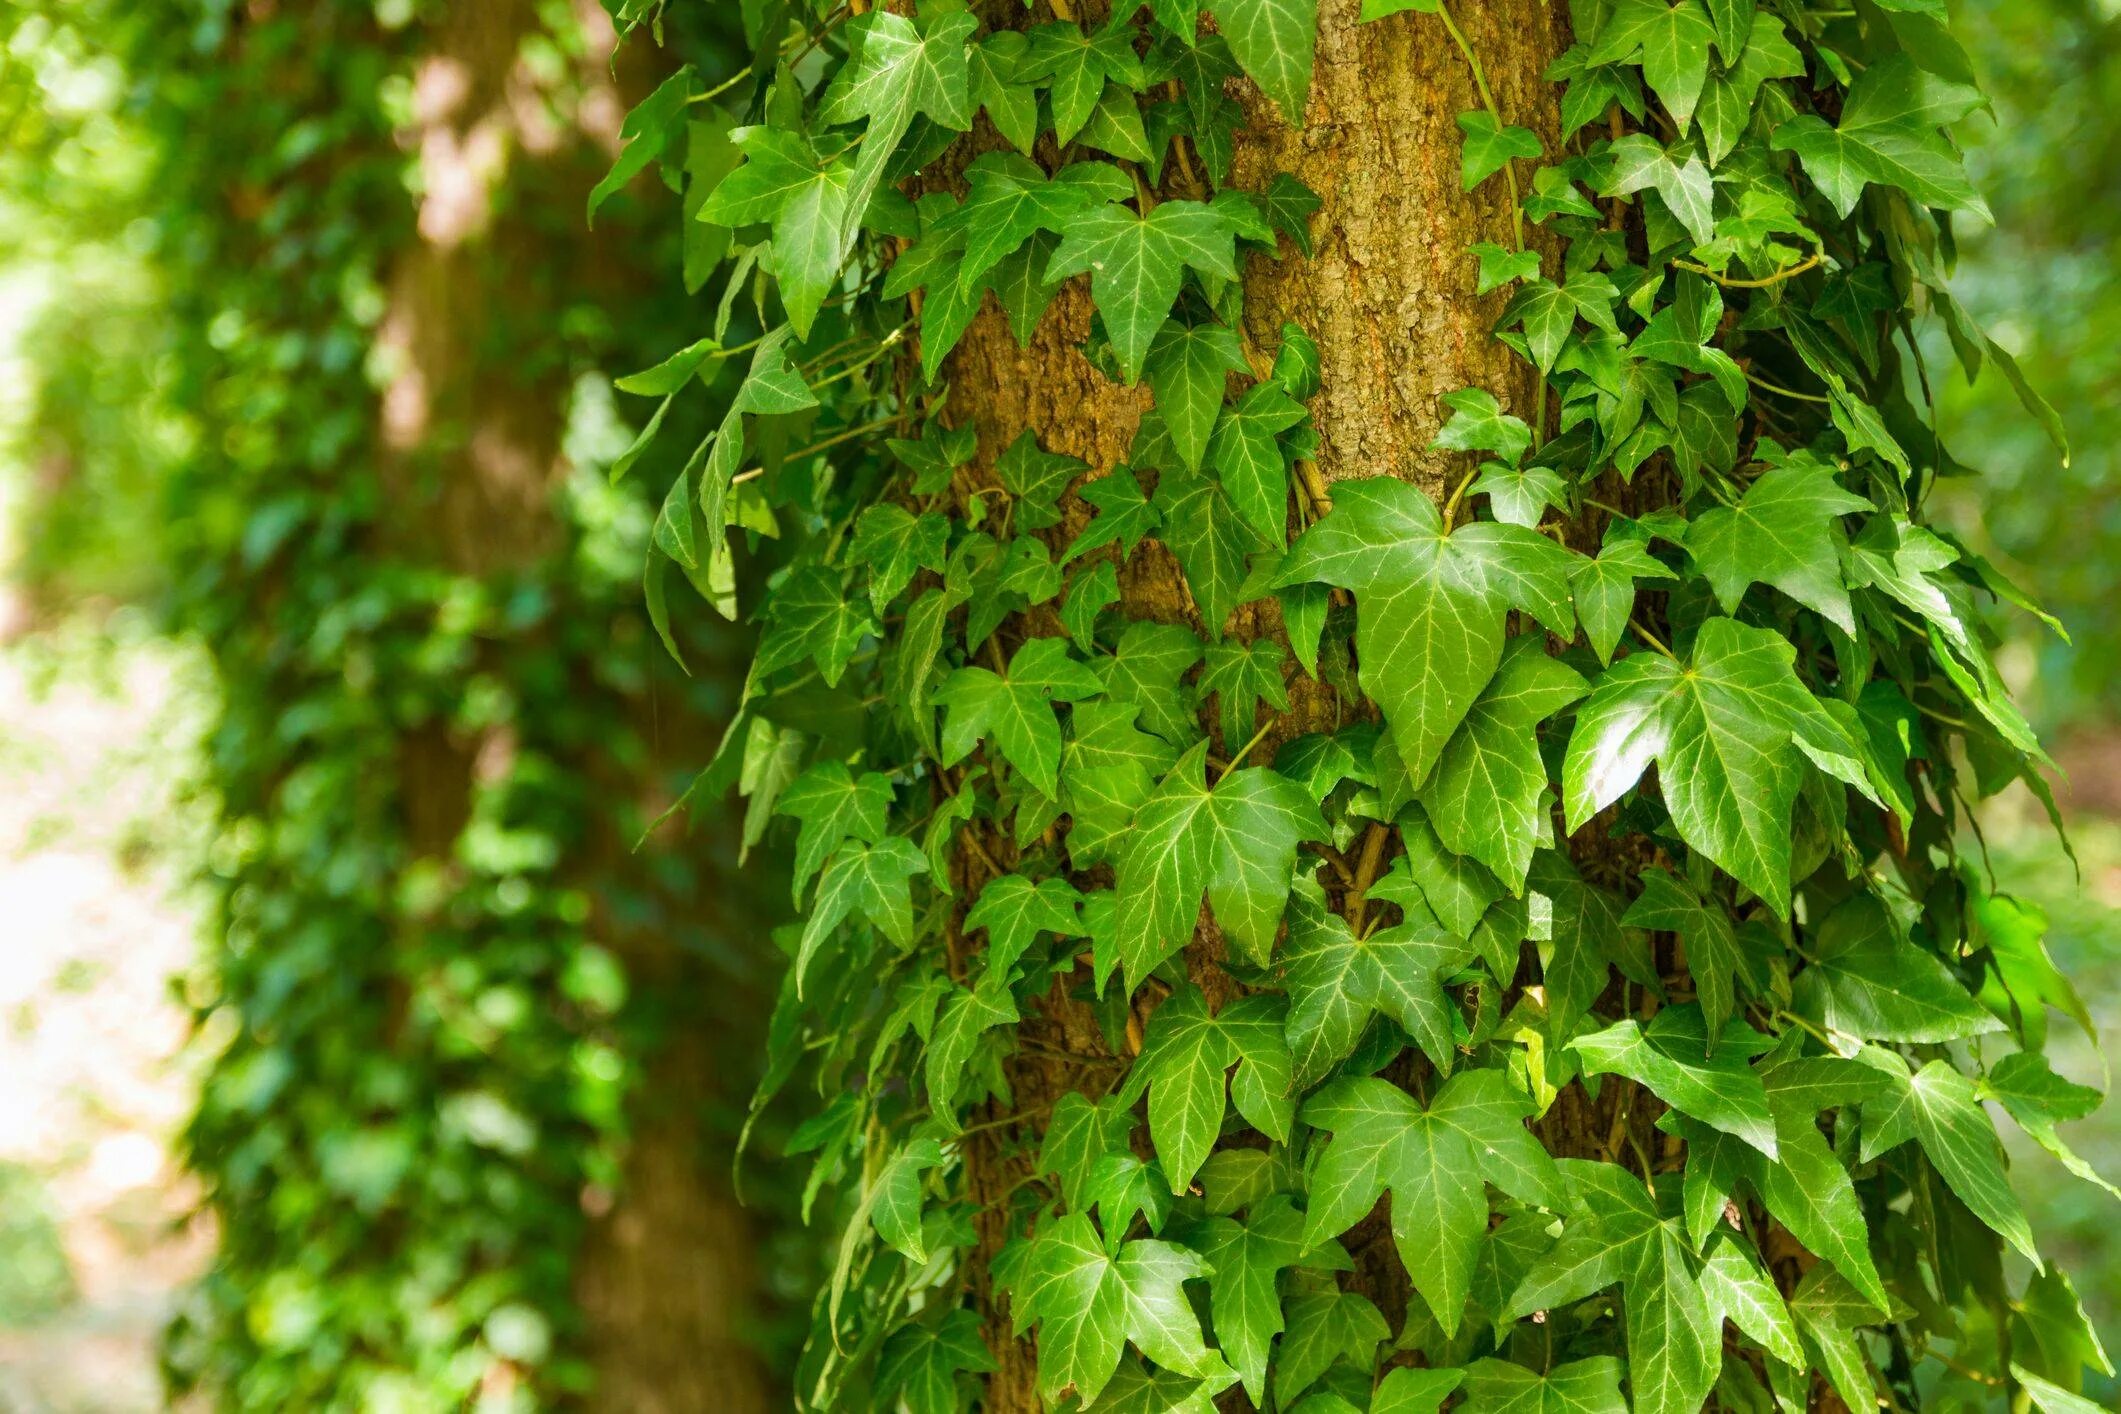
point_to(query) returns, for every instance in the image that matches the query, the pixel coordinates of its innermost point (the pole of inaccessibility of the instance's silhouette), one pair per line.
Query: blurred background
(350, 1053)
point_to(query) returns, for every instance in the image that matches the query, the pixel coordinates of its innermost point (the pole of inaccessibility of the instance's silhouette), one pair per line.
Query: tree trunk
(1389, 298)
(472, 420)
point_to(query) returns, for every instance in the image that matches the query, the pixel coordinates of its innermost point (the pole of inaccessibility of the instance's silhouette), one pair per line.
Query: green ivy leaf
(1137, 264)
(1088, 1305)
(1182, 1066)
(1681, 1065)
(1240, 676)
(1187, 368)
(1712, 952)
(1670, 41)
(1035, 479)
(1888, 134)
(871, 879)
(1213, 543)
(1432, 604)
(1489, 147)
(809, 617)
(1785, 531)
(1943, 1110)
(2039, 1099)
(1247, 454)
(1076, 64)
(1434, 1160)
(1237, 842)
(1488, 795)
(1721, 731)
(1579, 1387)
(1016, 713)
(896, 545)
(1866, 980)
(1124, 514)
(1326, 1325)
(833, 805)
(1273, 41)
(1014, 911)
(1337, 981)
(1243, 1296)
(1011, 199)
(921, 1360)
(1604, 589)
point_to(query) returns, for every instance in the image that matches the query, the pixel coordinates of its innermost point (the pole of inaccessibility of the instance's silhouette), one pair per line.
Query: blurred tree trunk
(1389, 296)
(472, 418)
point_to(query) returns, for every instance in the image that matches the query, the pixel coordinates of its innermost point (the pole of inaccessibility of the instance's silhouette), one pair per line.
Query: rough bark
(1389, 297)
(471, 430)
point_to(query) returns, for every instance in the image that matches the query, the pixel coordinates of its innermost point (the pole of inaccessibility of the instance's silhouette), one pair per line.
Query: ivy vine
(1608, 924)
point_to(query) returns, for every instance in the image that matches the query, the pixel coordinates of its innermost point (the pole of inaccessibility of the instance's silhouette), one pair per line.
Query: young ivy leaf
(1490, 147)
(1785, 531)
(1605, 588)
(896, 545)
(1431, 604)
(1035, 479)
(1488, 796)
(1241, 676)
(1721, 731)
(1942, 1109)
(1016, 712)
(1011, 199)
(1088, 1305)
(1548, 312)
(1434, 1160)
(872, 879)
(1076, 64)
(1326, 1326)
(1182, 1066)
(1237, 842)
(1213, 543)
(805, 197)
(810, 617)
(1124, 514)
(2039, 1099)
(1187, 368)
(1478, 424)
(1677, 175)
(1247, 454)
(1137, 264)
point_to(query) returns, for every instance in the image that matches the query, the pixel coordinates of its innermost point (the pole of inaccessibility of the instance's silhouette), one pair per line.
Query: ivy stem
(1450, 507)
(1257, 737)
(1757, 381)
(1810, 262)
(1652, 639)
(891, 341)
(815, 447)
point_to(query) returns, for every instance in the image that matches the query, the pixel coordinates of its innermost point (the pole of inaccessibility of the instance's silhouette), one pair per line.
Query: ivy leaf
(1490, 147)
(2039, 1099)
(1731, 1278)
(1785, 531)
(897, 69)
(1247, 455)
(1144, 669)
(1273, 41)
(1016, 712)
(894, 1200)
(1214, 545)
(1829, 1312)
(1712, 952)
(921, 1360)
(1579, 1387)
(1243, 1295)
(1588, 936)
(1866, 980)
(1187, 368)
(1236, 842)
(1124, 514)
(1674, 1333)
(1720, 729)
(1079, 1134)
(1487, 797)
(1035, 479)
(1182, 1067)
(872, 879)
(1766, 53)
(806, 198)
(1088, 1305)
(1499, 267)
(1337, 981)
(1434, 1161)
(833, 805)
(1138, 264)
(1077, 64)
(969, 1014)
(896, 545)
(1326, 1325)
(808, 617)
(1409, 1391)
(1888, 134)
(1010, 199)
(1089, 595)
(1670, 41)
(1432, 604)
(1478, 424)
(1548, 312)
(1520, 495)
(1241, 675)
(1014, 911)
(1605, 589)
(1639, 161)
(993, 69)
(1675, 1058)
(1943, 1108)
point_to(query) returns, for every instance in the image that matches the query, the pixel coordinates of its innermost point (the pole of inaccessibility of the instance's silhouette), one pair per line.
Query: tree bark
(472, 419)
(1390, 299)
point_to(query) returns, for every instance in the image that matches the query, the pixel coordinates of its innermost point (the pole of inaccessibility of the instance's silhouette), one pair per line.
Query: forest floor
(99, 730)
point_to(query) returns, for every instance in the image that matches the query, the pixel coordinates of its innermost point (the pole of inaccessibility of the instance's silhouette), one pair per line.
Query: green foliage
(1601, 913)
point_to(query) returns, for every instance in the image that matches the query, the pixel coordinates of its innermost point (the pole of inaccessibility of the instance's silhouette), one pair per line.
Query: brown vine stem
(1373, 853)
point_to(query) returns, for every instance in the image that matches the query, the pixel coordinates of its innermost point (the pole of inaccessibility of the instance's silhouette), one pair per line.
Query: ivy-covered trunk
(1375, 735)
